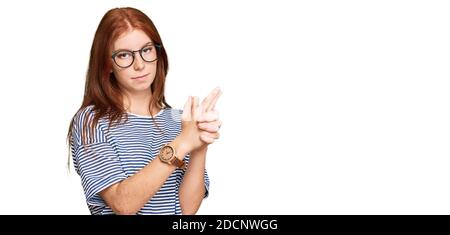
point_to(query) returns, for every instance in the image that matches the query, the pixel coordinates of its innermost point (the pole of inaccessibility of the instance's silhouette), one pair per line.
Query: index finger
(207, 101)
(214, 101)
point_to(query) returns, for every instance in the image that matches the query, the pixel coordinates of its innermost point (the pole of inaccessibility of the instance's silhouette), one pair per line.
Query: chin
(136, 86)
(142, 88)
(145, 86)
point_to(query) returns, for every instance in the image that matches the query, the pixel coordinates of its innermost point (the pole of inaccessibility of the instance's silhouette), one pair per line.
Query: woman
(133, 152)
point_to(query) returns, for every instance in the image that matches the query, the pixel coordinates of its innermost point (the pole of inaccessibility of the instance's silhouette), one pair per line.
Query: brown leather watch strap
(177, 162)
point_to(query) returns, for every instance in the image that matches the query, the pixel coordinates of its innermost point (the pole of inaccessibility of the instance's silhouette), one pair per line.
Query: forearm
(130, 195)
(192, 188)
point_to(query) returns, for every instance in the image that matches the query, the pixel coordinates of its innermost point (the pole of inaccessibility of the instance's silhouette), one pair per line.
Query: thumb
(196, 109)
(187, 110)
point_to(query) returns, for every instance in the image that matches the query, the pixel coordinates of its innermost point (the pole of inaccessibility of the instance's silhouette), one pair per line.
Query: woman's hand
(199, 123)
(209, 122)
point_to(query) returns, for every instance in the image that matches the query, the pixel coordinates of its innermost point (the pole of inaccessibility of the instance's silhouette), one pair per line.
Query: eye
(147, 49)
(123, 55)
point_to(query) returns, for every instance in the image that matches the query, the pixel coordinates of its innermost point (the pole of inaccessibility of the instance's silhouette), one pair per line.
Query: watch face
(166, 153)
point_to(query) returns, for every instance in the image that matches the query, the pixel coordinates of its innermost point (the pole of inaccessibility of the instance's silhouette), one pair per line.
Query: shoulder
(84, 116)
(82, 126)
(86, 112)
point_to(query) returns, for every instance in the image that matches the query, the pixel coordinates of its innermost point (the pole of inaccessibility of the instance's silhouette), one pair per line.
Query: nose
(138, 62)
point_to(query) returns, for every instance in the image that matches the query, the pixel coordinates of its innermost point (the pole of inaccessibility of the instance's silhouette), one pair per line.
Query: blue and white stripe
(110, 156)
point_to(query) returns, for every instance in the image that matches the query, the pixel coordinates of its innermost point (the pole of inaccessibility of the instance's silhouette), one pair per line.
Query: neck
(139, 103)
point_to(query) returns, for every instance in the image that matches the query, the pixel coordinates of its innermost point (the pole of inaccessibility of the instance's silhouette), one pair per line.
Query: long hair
(101, 88)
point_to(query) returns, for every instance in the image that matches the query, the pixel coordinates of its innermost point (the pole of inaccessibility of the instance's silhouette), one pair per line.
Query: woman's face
(140, 74)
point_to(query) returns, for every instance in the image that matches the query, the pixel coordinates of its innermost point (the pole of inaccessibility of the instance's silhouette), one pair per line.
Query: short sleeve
(95, 160)
(206, 184)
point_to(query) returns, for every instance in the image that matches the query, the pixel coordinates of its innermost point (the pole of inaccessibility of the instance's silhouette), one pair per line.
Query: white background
(329, 107)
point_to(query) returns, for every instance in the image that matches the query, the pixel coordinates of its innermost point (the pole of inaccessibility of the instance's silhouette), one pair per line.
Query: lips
(140, 76)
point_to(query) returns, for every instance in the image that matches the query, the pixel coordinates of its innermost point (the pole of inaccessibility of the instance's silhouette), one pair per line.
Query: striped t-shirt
(110, 156)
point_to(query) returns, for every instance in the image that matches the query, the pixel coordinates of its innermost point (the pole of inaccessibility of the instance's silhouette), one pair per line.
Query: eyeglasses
(125, 58)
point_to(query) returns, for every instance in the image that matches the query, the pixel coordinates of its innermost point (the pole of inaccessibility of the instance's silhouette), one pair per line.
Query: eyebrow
(146, 44)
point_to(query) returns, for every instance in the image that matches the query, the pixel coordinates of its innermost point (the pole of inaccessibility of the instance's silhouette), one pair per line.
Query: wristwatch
(168, 155)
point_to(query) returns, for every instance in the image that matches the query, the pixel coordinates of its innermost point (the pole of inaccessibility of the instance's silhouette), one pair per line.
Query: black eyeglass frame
(157, 47)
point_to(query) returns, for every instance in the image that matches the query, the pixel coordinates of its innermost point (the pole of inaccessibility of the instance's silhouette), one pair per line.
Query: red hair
(101, 88)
